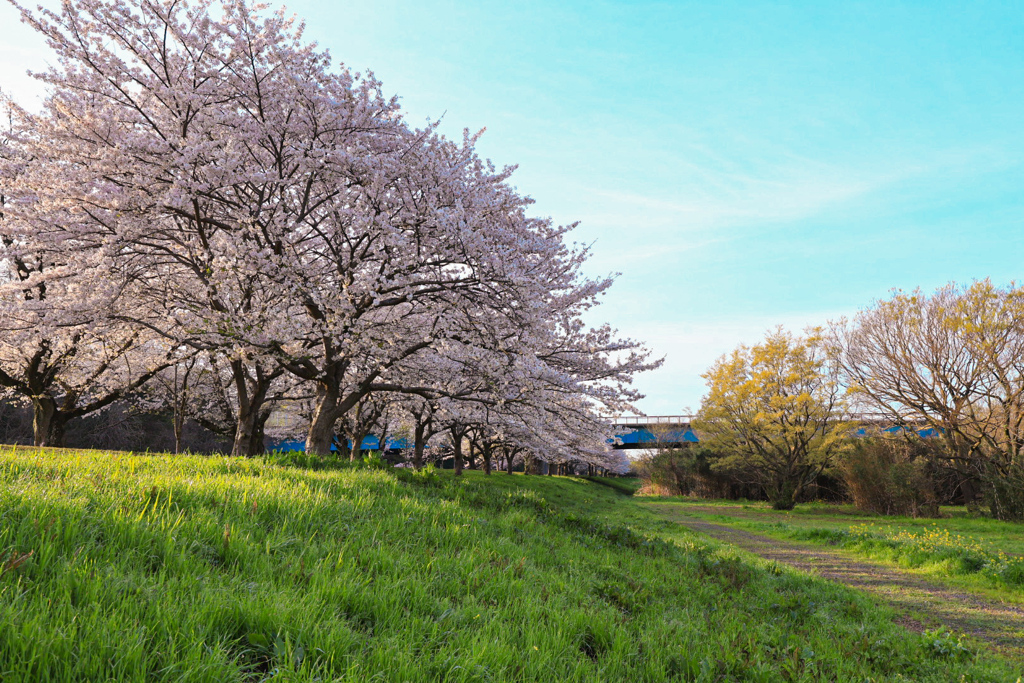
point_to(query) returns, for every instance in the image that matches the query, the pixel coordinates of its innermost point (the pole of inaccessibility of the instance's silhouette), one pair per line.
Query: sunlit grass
(936, 547)
(974, 552)
(161, 568)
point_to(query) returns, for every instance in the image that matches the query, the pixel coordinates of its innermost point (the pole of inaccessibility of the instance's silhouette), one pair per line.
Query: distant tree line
(208, 220)
(777, 419)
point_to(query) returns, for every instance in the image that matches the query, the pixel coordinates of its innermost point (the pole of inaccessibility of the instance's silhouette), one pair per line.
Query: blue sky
(741, 164)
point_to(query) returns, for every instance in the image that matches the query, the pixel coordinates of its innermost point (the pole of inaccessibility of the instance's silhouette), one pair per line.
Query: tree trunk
(417, 451)
(457, 447)
(47, 422)
(321, 427)
(355, 451)
(486, 453)
(178, 416)
(244, 431)
(783, 504)
(179, 425)
(252, 394)
(257, 445)
(510, 458)
(969, 491)
(784, 496)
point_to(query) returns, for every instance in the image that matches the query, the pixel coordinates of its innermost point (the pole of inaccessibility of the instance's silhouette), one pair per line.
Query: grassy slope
(155, 568)
(974, 553)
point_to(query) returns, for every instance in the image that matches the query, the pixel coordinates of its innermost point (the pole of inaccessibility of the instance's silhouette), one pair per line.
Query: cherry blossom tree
(276, 211)
(370, 416)
(63, 348)
(223, 386)
(208, 150)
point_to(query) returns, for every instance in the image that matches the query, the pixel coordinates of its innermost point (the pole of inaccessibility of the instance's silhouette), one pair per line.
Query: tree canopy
(775, 410)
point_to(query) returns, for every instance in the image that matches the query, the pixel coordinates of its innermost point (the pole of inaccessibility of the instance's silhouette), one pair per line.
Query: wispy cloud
(690, 348)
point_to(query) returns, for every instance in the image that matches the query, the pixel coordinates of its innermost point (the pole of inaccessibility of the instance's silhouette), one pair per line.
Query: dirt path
(925, 604)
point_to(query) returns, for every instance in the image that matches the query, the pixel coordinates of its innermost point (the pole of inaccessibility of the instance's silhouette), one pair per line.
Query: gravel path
(999, 623)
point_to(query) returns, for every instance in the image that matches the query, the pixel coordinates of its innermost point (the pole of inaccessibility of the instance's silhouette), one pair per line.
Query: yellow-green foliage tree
(954, 361)
(775, 410)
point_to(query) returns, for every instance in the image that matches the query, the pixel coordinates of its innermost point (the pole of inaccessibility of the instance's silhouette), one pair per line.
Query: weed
(946, 644)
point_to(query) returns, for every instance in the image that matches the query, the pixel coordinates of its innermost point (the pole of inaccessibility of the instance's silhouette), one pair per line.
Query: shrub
(663, 474)
(687, 472)
(1004, 492)
(702, 472)
(890, 477)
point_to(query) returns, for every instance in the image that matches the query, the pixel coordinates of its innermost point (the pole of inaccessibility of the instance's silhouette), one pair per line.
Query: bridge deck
(668, 431)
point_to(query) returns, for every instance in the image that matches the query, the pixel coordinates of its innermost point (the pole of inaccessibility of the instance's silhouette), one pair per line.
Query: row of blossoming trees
(949, 364)
(204, 195)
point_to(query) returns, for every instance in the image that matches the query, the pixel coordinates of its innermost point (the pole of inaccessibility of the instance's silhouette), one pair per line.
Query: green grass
(119, 567)
(973, 552)
(999, 535)
(947, 553)
(624, 485)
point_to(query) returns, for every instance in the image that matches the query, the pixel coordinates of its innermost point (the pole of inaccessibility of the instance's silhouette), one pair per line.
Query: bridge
(674, 431)
(653, 431)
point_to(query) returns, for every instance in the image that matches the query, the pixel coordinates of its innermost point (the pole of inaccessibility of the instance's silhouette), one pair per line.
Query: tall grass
(119, 567)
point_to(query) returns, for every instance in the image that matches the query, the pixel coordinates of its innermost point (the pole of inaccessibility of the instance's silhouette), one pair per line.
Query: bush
(1005, 492)
(890, 477)
(662, 474)
(689, 472)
